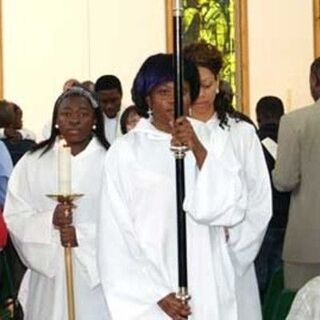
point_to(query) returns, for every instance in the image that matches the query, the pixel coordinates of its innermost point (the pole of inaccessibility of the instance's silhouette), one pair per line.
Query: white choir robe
(137, 237)
(28, 213)
(112, 128)
(246, 238)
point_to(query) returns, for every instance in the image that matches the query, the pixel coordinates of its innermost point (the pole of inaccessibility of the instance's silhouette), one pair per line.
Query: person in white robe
(109, 91)
(214, 108)
(306, 304)
(40, 228)
(137, 237)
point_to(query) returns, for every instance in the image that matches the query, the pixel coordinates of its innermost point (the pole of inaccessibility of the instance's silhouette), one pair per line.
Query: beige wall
(46, 42)
(280, 50)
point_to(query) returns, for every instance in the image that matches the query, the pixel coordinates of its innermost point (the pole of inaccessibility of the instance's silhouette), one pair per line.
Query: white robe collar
(92, 146)
(145, 126)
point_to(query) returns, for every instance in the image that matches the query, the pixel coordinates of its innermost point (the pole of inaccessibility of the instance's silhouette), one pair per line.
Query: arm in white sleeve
(245, 239)
(218, 196)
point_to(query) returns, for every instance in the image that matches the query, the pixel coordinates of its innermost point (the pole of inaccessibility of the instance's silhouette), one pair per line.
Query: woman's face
(132, 120)
(75, 119)
(161, 102)
(203, 107)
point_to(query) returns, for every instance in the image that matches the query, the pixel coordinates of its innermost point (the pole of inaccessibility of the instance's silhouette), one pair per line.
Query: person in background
(69, 84)
(305, 305)
(88, 84)
(297, 171)
(6, 117)
(11, 120)
(137, 237)
(213, 108)
(17, 139)
(129, 119)
(14, 130)
(109, 91)
(269, 110)
(40, 228)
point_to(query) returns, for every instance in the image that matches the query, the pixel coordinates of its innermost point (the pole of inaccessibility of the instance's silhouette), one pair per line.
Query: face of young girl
(161, 103)
(75, 119)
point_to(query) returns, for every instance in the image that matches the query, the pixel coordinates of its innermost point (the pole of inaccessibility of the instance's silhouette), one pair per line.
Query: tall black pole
(179, 154)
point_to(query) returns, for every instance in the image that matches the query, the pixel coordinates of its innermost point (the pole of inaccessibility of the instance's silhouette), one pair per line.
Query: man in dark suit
(298, 170)
(269, 110)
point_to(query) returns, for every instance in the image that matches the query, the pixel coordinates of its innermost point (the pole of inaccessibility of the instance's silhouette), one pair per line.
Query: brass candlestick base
(61, 198)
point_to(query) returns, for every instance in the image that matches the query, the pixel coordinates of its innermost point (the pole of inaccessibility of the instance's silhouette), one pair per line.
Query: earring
(56, 126)
(190, 112)
(94, 127)
(217, 90)
(149, 113)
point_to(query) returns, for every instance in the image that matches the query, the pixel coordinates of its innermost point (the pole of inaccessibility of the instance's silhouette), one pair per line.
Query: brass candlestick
(68, 199)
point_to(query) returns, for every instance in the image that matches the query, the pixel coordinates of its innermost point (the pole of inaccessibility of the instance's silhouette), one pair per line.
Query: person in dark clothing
(16, 142)
(269, 110)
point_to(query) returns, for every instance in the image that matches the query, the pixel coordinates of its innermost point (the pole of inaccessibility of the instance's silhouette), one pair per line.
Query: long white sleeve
(218, 196)
(246, 238)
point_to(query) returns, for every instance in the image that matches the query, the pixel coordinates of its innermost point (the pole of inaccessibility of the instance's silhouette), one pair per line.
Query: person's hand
(62, 215)
(174, 307)
(184, 135)
(68, 236)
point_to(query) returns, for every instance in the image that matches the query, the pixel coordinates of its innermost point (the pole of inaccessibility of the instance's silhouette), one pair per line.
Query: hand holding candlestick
(62, 218)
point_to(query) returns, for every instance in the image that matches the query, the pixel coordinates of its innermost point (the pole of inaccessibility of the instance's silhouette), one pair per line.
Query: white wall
(280, 50)
(47, 42)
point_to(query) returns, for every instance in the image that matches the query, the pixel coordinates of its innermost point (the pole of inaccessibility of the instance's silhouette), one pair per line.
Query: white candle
(64, 168)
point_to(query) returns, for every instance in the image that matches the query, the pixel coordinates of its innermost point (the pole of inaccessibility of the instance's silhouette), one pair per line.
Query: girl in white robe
(32, 218)
(244, 240)
(137, 239)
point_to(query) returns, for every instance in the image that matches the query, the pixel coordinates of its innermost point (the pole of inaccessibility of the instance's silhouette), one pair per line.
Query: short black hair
(108, 82)
(157, 69)
(6, 114)
(269, 108)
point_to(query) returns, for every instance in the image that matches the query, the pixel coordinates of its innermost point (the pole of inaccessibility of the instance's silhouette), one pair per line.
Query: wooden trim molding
(242, 97)
(316, 27)
(169, 26)
(242, 59)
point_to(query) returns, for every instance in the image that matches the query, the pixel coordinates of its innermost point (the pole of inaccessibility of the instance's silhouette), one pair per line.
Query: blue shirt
(5, 171)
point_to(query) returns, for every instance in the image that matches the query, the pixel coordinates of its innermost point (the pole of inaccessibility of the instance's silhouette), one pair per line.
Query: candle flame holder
(62, 198)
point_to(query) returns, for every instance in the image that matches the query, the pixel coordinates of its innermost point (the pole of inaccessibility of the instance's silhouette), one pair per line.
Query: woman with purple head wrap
(137, 237)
